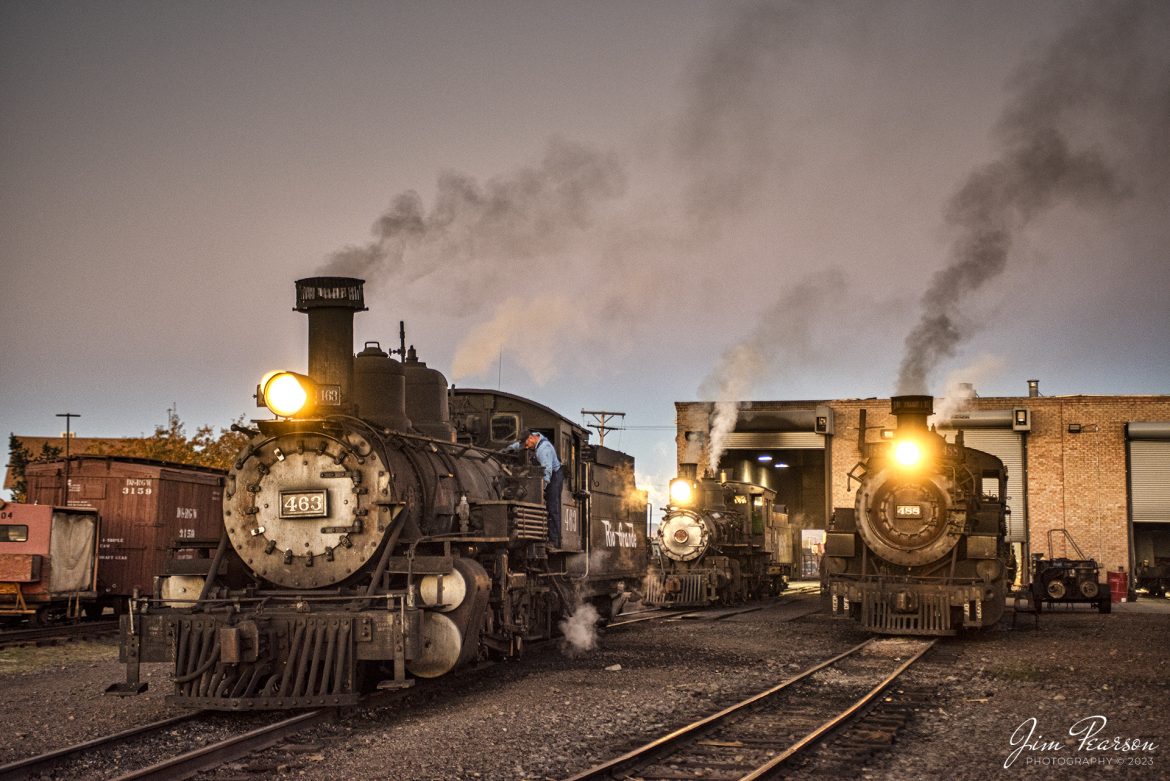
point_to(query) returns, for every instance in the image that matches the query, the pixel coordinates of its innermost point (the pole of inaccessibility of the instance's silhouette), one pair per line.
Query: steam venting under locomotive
(374, 533)
(923, 549)
(720, 542)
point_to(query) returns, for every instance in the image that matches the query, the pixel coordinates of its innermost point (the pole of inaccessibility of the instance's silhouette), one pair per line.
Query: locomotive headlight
(908, 453)
(681, 491)
(287, 394)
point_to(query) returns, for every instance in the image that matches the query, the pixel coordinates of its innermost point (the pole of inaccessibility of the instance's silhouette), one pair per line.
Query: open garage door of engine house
(790, 462)
(1149, 490)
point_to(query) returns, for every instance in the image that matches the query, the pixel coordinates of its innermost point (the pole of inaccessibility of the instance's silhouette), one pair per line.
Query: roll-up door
(1007, 446)
(1149, 472)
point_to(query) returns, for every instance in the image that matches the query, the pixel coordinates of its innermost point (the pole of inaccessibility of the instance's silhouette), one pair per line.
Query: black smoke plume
(1087, 126)
(726, 138)
(481, 231)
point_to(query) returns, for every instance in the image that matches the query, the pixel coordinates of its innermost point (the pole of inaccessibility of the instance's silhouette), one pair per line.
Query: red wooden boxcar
(157, 517)
(48, 560)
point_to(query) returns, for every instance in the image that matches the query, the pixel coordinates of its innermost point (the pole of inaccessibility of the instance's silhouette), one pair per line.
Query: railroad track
(788, 597)
(174, 748)
(701, 614)
(753, 738)
(51, 635)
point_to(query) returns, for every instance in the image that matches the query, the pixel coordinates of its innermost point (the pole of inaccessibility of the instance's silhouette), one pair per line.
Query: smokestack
(1033, 389)
(330, 303)
(912, 411)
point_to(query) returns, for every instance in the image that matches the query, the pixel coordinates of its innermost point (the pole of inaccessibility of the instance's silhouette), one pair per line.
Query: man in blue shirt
(546, 454)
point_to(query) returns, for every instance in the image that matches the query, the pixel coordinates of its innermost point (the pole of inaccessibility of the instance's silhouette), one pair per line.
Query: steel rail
(668, 742)
(37, 635)
(765, 770)
(24, 768)
(657, 616)
(215, 754)
(720, 613)
(714, 613)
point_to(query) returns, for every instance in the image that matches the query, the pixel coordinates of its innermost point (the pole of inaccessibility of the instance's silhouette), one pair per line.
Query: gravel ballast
(554, 712)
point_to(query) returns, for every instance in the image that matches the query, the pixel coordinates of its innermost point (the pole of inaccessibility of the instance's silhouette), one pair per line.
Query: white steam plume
(579, 630)
(961, 385)
(783, 332)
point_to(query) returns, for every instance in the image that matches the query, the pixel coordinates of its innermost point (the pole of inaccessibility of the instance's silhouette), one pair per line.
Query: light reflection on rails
(748, 739)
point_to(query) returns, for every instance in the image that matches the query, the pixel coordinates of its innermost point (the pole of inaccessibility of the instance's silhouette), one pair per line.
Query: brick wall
(1078, 481)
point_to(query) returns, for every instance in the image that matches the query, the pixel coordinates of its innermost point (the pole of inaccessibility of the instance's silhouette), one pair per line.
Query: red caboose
(48, 560)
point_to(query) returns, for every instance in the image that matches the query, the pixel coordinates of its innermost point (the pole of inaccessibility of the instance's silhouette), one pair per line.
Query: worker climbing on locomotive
(554, 478)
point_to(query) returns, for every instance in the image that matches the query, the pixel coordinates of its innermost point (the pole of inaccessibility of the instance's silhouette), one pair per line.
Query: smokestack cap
(912, 411)
(330, 292)
(912, 405)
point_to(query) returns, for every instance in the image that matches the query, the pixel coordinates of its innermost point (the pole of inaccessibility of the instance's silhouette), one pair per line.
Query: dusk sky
(608, 205)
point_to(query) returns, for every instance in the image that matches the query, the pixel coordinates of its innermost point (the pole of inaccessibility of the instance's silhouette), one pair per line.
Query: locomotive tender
(371, 537)
(720, 542)
(923, 550)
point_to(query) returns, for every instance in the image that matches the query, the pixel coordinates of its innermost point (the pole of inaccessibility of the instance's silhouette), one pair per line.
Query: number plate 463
(304, 504)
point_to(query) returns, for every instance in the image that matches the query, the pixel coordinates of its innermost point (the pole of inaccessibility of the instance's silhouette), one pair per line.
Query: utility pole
(68, 418)
(602, 419)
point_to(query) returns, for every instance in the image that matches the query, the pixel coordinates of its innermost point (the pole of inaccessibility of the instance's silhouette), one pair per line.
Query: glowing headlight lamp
(287, 394)
(681, 491)
(908, 453)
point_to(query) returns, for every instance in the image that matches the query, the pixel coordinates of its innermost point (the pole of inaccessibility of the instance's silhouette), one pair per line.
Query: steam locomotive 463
(720, 542)
(371, 537)
(923, 550)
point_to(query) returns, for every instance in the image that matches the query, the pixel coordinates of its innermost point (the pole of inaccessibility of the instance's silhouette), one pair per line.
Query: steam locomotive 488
(720, 542)
(373, 535)
(923, 550)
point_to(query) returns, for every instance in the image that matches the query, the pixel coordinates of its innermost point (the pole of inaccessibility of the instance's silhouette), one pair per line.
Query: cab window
(13, 532)
(570, 457)
(505, 428)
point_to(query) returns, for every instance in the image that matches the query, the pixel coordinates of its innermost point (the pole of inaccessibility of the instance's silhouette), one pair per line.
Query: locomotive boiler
(720, 542)
(923, 549)
(374, 534)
